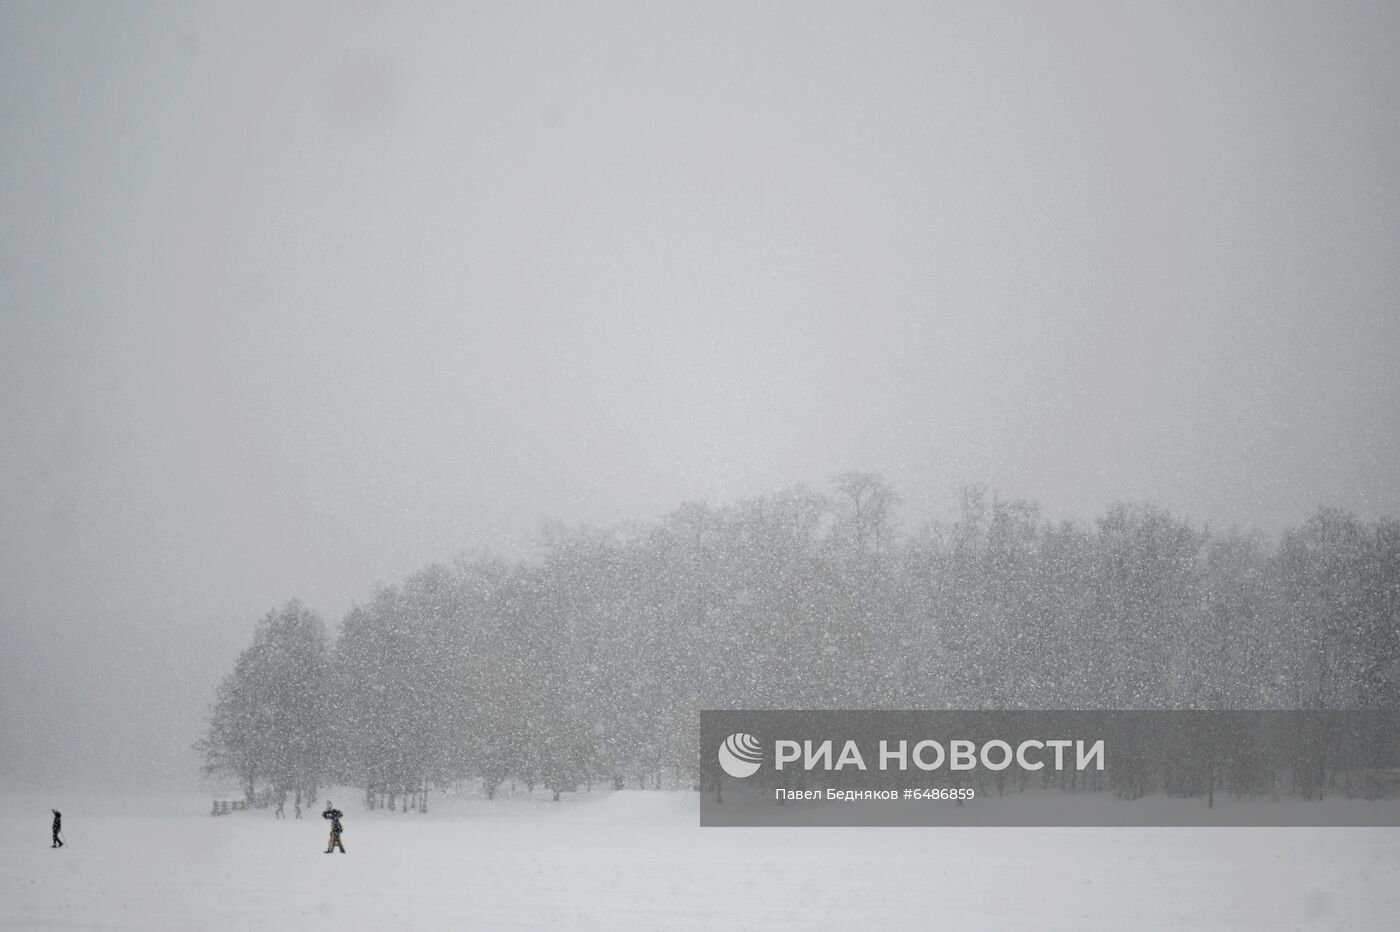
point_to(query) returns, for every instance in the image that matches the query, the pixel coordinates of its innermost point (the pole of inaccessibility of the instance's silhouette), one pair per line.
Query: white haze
(297, 298)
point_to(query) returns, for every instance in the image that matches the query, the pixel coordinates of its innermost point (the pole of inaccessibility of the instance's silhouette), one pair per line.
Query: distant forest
(592, 661)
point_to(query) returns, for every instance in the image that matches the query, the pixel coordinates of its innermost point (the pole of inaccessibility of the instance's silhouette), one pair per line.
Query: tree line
(592, 660)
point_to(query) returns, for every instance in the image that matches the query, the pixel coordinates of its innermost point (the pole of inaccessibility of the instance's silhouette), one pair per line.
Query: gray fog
(299, 298)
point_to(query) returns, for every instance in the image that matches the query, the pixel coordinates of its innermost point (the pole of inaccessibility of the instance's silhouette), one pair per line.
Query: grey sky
(294, 300)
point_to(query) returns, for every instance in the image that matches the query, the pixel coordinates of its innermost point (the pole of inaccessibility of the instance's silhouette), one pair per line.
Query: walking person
(57, 827)
(280, 814)
(334, 815)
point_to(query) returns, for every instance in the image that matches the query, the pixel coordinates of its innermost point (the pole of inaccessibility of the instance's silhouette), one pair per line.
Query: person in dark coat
(334, 815)
(57, 827)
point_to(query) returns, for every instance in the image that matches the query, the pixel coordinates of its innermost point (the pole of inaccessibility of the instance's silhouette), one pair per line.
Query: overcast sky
(295, 298)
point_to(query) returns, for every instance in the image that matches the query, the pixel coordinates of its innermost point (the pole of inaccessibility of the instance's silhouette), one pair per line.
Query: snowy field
(638, 860)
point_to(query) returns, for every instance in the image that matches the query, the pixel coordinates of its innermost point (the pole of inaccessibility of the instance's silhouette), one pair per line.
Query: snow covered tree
(268, 721)
(593, 660)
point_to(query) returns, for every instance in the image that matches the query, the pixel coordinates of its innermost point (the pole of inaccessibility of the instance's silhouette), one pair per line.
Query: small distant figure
(57, 827)
(298, 805)
(280, 813)
(334, 815)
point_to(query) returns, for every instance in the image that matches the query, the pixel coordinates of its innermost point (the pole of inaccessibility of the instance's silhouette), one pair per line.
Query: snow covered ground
(638, 860)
